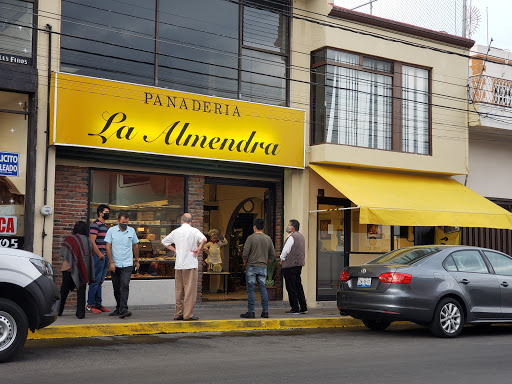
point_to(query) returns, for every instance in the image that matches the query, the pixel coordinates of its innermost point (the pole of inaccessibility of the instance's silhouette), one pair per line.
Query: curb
(151, 328)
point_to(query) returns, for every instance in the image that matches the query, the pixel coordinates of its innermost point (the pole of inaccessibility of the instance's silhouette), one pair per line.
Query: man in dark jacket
(293, 259)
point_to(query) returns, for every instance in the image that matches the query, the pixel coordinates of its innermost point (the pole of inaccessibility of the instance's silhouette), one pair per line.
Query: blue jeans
(253, 274)
(100, 270)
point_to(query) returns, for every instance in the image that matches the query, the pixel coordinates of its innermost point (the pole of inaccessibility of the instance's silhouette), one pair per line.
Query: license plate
(364, 282)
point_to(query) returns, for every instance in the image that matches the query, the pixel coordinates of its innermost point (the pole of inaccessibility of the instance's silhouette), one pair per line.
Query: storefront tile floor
(205, 311)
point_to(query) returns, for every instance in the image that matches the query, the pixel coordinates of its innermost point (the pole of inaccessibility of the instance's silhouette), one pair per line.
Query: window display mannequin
(213, 250)
(214, 259)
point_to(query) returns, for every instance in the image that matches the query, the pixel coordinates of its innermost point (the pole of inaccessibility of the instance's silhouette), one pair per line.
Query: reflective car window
(449, 264)
(406, 256)
(502, 264)
(469, 261)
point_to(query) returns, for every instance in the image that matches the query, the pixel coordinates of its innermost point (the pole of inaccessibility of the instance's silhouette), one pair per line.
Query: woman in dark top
(77, 266)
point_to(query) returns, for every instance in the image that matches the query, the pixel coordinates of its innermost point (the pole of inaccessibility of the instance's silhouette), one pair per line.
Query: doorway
(333, 245)
(230, 208)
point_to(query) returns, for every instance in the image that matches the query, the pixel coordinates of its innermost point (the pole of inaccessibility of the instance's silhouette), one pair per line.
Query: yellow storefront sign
(96, 113)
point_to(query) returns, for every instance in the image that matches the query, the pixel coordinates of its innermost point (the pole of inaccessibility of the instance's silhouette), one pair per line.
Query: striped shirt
(100, 230)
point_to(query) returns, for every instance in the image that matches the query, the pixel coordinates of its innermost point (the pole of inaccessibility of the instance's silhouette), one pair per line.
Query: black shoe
(303, 312)
(125, 314)
(292, 312)
(115, 313)
(178, 318)
(193, 318)
(264, 314)
(248, 315)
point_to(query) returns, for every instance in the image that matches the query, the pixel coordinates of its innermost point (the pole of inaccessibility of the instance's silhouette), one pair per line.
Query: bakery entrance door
(229, 212)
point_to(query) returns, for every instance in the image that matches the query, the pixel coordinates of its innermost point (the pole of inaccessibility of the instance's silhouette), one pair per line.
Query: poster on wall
(9, 164)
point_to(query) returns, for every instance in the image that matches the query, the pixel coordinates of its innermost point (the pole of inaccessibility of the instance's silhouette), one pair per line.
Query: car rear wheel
(448, 319)
(13, 329)
(376, 325)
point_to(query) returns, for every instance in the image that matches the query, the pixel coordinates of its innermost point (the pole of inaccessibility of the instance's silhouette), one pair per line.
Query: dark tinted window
(502, 264)
(406, 256)
(116, 44)
(469, 261)
(194, 47)
(265, 25)
(199, 46)
(263, 78)
(16, 28)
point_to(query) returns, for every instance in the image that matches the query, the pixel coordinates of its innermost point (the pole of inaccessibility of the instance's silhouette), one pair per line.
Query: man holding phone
(122, 248)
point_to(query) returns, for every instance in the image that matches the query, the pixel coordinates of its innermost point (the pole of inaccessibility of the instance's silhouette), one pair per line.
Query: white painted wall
(489, 164)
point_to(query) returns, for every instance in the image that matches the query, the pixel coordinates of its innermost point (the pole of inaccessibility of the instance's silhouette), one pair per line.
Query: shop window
(369, 102)
(16, 22)
(155, 204)
(13, 164)
(194, 46)
(369, 238)
(403, 237)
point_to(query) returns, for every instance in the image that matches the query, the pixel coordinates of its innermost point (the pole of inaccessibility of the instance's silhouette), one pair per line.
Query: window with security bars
(370, 102)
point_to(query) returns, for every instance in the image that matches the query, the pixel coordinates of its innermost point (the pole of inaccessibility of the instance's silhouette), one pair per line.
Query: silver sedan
(441, 287)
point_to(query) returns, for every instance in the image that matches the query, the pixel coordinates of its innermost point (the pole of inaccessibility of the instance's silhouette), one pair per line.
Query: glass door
(332, 247)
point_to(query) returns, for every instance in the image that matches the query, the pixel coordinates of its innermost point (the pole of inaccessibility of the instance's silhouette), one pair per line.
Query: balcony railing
(490, 90)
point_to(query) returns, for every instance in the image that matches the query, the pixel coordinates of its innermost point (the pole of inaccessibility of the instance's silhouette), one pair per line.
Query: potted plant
(271, 276)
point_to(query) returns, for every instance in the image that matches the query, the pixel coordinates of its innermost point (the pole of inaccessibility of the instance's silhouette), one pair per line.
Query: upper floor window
(16, 21)
(369, 102)
(220, 48)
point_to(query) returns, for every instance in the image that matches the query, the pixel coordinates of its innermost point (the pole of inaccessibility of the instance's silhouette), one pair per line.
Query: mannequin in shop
(214, 257)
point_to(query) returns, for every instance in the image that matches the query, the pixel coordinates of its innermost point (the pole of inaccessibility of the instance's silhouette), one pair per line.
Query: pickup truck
(29, 298)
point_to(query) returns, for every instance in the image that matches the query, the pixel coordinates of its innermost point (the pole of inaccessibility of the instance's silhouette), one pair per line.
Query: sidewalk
(215, 317)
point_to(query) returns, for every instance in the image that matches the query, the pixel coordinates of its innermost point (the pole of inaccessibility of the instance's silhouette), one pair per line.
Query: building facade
(490, 138)
(352, 124)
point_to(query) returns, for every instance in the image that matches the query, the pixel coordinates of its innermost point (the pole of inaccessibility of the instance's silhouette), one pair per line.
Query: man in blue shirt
(122, 248)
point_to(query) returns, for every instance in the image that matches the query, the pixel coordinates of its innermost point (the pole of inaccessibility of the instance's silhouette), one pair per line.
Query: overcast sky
(446, 15)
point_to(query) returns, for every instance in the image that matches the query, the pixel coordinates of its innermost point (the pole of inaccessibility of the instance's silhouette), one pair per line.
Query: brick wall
(196, 208)
(279, 237)
(71, 197)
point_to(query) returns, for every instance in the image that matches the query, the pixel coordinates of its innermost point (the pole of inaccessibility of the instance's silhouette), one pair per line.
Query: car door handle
(504, 284)
(464, 281)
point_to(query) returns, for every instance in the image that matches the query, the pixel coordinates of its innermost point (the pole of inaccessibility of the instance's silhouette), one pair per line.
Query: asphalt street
(404, 353)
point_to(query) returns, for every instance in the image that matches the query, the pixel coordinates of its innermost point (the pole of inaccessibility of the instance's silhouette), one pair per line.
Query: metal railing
(491, 90)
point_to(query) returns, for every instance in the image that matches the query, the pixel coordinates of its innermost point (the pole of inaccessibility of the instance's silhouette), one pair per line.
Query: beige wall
(449, 77)
(449, 127)
(48, 14)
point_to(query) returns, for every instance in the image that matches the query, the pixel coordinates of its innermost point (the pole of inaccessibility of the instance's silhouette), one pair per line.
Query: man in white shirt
(187, 242)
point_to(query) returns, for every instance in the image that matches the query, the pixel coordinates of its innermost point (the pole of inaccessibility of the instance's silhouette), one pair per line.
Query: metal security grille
(498, 239)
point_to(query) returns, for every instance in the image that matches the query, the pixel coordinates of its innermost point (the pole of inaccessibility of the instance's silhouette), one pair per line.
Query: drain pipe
(47, 144)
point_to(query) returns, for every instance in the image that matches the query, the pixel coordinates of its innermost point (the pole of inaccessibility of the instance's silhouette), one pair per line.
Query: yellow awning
(398, 199)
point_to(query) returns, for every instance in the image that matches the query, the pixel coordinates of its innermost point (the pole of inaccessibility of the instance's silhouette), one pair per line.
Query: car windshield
(405, 256)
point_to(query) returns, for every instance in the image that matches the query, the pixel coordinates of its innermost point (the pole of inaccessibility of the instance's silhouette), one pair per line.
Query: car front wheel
(376, 325)
(448, 318)
(13, 329)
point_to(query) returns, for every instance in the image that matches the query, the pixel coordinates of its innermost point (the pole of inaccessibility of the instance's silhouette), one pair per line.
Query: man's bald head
(186, 218)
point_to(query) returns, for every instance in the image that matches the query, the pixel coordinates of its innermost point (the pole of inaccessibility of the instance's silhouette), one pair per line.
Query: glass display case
(154, 203)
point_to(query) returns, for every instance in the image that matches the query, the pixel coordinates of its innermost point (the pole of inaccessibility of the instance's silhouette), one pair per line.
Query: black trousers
(294, 287)
(67, 286)
(121, 284)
